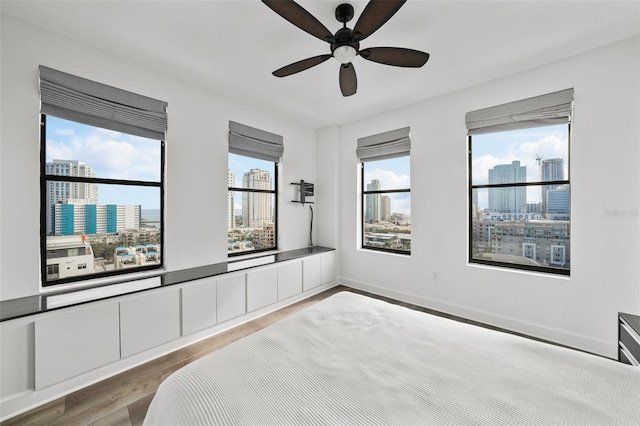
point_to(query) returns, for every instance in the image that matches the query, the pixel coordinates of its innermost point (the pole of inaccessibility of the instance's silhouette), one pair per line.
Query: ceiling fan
(345, 43)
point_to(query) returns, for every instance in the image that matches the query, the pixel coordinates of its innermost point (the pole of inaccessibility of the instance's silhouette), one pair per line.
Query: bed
(356, 360)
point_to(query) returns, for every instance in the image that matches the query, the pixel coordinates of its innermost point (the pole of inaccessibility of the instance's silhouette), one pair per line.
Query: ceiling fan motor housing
(344, 37)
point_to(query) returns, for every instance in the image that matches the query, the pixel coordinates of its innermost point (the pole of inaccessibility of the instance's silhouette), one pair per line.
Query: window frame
(275, 194)
(363, 201)
(45, 178)
(538, 183)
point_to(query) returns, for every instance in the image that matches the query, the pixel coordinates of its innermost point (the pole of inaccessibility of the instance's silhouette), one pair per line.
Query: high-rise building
(550, 170)
(61, 192)
(372, 212)
(558, 203)
(257, 208)
(508, 199)
(71, 218)
(385, 208)
(231, 219)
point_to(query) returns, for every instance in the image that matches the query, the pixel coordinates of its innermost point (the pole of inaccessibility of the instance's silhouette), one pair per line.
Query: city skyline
(529, 146)
(67, 140)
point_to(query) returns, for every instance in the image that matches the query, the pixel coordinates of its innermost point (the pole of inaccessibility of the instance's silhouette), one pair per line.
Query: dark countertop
(632, 320)
(31, 305)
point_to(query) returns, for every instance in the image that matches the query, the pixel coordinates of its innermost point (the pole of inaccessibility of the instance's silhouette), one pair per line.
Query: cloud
(111, 154)
(57, 150)
(388, 179)
(527, 153)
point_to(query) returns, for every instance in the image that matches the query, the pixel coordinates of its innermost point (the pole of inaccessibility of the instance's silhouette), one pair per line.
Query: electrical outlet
(435, 276)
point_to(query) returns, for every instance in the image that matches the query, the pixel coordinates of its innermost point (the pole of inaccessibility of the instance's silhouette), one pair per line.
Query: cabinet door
(199, 305)
(311, 272)
(16, 356)
(149, 320)
(328, 271)
(231, 297)
(76, 342)
(262, 288)
(289, 279)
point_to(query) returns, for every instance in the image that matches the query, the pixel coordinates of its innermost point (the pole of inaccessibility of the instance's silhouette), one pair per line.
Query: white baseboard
(561, 337)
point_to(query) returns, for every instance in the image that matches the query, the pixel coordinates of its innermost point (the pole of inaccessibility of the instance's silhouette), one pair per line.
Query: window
(519, 190)
(386, 194)
(101, 180)
(252, 203)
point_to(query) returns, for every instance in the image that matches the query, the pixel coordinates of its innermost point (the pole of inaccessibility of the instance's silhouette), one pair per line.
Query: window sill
(241, 257)
(559, 276)
(385, 252)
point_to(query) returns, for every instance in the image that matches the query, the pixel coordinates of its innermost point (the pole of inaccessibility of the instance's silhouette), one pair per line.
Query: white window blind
(255, 143)
(545, 110)
(78, 99)
(392, 144)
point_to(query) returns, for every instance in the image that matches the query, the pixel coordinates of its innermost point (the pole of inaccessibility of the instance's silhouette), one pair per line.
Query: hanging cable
(311, 229)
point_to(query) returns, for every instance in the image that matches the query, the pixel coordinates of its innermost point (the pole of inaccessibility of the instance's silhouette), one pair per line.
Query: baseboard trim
(560, 337)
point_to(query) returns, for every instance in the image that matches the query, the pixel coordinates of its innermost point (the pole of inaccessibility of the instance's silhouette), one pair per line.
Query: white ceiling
(231, 47)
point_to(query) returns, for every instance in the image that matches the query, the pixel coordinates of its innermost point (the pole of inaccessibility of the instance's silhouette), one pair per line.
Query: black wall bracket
(306, 190)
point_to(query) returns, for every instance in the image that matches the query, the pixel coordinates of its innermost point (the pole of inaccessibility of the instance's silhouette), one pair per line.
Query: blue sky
(111, 155)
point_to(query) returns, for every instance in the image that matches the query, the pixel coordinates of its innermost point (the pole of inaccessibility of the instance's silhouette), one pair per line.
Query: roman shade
(392, 144)
(545, 110)
(78, 99)
(255, 143)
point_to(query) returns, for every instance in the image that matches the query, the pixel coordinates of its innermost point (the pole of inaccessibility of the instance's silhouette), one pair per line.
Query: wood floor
(124, 399)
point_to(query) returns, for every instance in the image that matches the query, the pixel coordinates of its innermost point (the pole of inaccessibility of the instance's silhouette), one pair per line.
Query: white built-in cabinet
(327, 267)
(289, 279)
(262, 288)
(231, 297)
(311, 273)
(71, 341)
(199, 305)
(76, 342)
(149, 320)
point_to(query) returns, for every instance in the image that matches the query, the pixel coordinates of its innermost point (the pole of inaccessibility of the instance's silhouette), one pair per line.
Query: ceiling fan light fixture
(344, 54)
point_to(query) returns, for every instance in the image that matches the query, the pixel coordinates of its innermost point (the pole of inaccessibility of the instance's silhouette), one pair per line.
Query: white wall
(327, 199)
(580, 311)
(605, 155)
(196, 171)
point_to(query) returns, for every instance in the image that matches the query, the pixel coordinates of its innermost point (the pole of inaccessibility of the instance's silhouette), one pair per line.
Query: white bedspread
(354, 360)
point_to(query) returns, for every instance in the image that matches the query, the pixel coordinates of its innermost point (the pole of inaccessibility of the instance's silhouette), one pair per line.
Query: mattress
(355, 360)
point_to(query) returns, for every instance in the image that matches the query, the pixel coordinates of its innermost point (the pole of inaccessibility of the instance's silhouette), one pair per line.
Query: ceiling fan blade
(300, 65)
(396, 56)
(300, 17)
(348, 80)
(374, 15)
